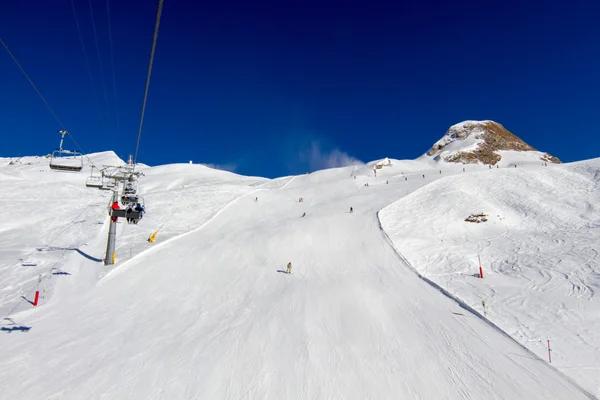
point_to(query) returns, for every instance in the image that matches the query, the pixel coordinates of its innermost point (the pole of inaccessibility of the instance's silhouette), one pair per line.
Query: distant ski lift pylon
(66, 160)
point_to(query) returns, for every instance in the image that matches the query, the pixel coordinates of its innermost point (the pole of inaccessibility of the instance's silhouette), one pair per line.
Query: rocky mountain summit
(472, 142)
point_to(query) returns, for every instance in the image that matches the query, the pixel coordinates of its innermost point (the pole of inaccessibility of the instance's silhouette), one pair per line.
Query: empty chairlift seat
(94, 181)
(66, 160)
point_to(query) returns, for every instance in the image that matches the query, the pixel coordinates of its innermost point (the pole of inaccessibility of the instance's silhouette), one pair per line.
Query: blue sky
(279, 87)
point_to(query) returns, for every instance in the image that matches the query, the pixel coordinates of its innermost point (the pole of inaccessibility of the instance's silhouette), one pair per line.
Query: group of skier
(137, 207)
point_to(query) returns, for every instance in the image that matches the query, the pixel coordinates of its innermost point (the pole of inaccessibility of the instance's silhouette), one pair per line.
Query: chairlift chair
(129, 198)
(94, 181)
(66, 160)
(107, 184)
(129, 194)
(129, 212)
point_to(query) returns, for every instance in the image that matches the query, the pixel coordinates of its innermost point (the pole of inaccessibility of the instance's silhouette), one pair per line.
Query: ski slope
(206, 312)
(539, 251)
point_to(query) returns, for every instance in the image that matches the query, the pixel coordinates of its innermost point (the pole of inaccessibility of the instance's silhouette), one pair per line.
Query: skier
(256, 199)
(139, 208)
(289, 268)
(351, 210)
(127, 211)
(115, 206)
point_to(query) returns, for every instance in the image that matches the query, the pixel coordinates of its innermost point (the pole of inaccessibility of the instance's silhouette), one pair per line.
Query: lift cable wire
(87, 63)
(32, 85)
(42, 97)
(158, 15)
(112, 61)
(100, 61)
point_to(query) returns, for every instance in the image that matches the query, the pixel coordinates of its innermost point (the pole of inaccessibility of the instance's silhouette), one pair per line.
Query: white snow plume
(317, 158)
(231, 167)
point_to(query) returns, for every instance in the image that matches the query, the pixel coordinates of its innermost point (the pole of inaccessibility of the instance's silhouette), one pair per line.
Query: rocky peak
(480, 142)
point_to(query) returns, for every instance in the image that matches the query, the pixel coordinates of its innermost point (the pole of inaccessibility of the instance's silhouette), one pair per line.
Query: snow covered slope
(52, 222)
(538, 248)
(208, 312)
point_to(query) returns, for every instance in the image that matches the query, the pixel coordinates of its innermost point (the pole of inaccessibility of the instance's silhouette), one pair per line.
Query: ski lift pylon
(66, 160)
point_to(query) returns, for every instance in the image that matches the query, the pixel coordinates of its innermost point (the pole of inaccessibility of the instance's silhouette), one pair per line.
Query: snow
(538, 250)
(205, 312)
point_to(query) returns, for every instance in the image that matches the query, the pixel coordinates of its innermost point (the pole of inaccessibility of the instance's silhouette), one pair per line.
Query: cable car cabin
(133, 212)
(73, 162)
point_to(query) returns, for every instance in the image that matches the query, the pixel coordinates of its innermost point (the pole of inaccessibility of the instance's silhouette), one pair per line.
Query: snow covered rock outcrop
(486, 142)
(386, 162)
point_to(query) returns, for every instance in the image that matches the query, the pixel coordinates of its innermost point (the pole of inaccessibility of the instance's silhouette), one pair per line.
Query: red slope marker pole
(549, 350)
(37, 292)
(480, 269)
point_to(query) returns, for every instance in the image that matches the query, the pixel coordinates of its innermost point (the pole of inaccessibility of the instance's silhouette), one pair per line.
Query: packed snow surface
(538, 250)
(207, 312)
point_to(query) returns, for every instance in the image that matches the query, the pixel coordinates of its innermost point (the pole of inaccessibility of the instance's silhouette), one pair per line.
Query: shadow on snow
(81, 252)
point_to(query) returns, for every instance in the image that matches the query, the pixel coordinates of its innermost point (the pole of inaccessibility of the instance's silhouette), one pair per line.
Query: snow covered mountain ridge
(473, 142)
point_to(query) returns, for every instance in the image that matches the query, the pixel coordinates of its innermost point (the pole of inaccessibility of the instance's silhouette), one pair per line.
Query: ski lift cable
(32, 84)
(158, 15)
(87, 62)
(100, 62)
(112, 62)
(42, 97)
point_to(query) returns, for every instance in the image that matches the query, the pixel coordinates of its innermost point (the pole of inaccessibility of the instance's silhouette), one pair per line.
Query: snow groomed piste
(207, 312)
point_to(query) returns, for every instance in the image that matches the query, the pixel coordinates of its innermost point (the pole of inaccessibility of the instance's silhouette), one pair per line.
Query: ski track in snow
(538, 251)
(206, 313)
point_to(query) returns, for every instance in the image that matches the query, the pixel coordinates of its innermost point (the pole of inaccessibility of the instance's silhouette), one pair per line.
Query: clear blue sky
(273, 87)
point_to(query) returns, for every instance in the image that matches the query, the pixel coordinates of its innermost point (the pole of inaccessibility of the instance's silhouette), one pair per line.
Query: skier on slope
(351, 210)
(289, 268)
